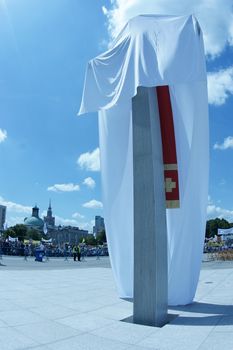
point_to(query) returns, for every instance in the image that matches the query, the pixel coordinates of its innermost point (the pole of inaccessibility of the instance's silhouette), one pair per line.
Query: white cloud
(78, 216)
(89, 182)
(227, 143)
(86, 226)
(65, 222)
(15, 207)
(93, 204)
(215, 17)
(3, 135)
(220, 86)
(70, 187)
(72, 222)
(43, 213)
(90, 160)
(105, 11)
(215, 211)
(14, 220)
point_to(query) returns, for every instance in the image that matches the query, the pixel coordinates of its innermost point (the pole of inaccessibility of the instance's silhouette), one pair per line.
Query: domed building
(58, 234)
(34, 221)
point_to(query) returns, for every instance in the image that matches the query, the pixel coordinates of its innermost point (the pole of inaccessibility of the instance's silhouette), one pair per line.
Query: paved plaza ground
(66, 305)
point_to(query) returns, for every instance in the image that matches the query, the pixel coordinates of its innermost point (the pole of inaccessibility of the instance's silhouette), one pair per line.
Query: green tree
(33, 234)
(9, 232)
(21, 231)
(89, 240)
(18, 230)
(213, 225)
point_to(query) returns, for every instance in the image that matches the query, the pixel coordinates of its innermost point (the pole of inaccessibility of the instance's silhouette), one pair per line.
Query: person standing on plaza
(79, 253)
(26, 252)
(46, 251)
(98, 251)
(66, 251)
(75, 251)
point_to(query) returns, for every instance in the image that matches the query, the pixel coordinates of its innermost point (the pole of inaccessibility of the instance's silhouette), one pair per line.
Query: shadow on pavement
(221, 315)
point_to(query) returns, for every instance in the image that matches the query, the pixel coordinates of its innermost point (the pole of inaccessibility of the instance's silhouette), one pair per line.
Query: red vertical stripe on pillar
(169, 147)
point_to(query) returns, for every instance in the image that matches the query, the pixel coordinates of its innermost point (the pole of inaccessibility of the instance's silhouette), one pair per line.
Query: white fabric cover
(152, 51)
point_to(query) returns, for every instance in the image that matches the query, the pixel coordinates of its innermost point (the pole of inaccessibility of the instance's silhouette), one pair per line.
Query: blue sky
(46, 151)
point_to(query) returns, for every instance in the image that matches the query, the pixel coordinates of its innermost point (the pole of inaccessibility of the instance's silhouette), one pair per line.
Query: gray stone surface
(54, 307)
(150, 252)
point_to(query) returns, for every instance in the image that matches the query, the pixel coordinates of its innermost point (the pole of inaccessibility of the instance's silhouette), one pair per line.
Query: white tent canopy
(153, 51)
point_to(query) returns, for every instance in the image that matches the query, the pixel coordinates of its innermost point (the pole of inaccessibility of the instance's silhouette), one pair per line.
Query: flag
(169, 147)
(45, 230)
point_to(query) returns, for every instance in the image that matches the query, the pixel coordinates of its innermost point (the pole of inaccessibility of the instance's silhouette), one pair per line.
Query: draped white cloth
(152, 51)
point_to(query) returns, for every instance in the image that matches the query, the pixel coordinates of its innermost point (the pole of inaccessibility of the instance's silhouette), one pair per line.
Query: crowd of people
(65, 250)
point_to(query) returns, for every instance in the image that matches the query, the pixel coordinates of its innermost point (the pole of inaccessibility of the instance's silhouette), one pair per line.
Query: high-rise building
(2, 216)
(99, 225)
(49, 219)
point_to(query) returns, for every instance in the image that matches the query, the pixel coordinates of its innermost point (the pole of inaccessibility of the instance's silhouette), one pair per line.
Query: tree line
(22, 232)
(213, 225)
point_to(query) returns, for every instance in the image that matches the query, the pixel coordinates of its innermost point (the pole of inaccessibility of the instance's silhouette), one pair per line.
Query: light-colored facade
(2, 216)
(66, 234)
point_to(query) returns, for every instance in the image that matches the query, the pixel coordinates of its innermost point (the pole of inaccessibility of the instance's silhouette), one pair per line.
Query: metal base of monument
(150, 229)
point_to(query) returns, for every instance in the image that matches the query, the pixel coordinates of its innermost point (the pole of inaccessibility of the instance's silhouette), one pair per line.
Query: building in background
(59, 234)
(66, 234)
(99, 225)
(34, 221)
(2, 216)
(49, 219)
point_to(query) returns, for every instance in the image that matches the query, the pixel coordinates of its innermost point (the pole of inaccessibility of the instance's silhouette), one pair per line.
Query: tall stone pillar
(150, 232)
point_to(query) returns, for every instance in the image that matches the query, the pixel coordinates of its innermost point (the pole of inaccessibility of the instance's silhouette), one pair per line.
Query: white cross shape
(169, 184)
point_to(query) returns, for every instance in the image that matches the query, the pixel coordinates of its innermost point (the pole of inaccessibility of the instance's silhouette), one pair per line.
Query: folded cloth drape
(151, 51)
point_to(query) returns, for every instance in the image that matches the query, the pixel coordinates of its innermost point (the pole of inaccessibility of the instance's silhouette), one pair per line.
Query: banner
(12, 239)
(225, 231)
(46, 240)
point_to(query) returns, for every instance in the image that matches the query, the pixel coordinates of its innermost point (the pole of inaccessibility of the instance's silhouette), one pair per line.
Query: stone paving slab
(69, 305)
